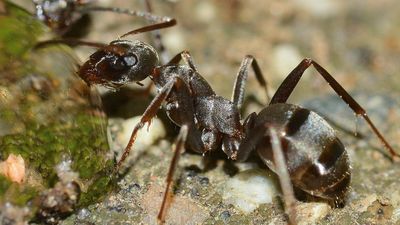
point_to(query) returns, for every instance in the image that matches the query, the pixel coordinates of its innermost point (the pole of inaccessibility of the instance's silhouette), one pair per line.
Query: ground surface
(357, 41)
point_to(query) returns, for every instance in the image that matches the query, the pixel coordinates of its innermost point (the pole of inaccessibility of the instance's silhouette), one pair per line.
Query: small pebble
(311, 212)
(225, 215)
(204, 181)
(250, 188)
(83, 214)
(13, 168)
(194, 193)
(145, 138)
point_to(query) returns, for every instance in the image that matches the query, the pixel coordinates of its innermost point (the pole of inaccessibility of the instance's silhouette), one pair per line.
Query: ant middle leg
(288, 85)
(284, 177)
(241, 77)
(179, 146)
(249, 145)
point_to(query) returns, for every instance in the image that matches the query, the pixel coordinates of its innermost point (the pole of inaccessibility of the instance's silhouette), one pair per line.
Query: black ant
(61, 15)
(295, 142)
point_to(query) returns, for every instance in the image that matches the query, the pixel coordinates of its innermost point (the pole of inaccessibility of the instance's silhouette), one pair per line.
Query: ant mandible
(295, 142)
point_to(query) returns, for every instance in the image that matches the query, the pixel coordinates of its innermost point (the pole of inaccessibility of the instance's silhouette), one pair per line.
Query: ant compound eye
(124, 62)
(131, 60)
(118, 64)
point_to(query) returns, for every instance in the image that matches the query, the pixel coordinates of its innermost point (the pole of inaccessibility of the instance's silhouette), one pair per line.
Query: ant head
(118, 63)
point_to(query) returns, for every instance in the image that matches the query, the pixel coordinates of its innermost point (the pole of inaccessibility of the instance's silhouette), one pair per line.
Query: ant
(296, 143)
(61, 15)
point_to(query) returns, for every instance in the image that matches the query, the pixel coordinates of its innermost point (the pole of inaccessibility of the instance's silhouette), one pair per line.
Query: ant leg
(249, 144)
(238, 91)
(149, 113)
(287, 86)
(179, 146)
(186, 57)
(283, 174)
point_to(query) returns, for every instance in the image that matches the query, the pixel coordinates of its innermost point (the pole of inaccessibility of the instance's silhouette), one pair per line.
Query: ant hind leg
(288, 85)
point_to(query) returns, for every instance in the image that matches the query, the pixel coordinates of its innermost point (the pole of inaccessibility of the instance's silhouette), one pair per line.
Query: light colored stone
(250, 188)
(362, 204)
(310, 213)
(65, 172)
(147, 136)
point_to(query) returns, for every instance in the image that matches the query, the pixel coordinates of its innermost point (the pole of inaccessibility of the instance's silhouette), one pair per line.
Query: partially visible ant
(296, 143)
(61, 15)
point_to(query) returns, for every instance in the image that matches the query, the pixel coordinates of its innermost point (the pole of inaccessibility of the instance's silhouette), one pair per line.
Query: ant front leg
(238, 91)
(148, 115)
(288, 85)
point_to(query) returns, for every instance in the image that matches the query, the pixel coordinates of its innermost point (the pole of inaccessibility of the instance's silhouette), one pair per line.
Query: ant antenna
(118, 50)
(151, 27)
(160, 22)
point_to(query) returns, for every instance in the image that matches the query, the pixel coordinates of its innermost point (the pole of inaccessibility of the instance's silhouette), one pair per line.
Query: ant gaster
(295, 142)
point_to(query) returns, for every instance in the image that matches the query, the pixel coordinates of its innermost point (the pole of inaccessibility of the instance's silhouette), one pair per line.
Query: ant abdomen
(316, 159)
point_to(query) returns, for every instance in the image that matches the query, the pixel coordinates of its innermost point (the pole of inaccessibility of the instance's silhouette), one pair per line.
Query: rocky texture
(47, 120)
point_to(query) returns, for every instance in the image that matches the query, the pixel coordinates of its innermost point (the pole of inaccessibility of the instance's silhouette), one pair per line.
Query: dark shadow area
(80, 28)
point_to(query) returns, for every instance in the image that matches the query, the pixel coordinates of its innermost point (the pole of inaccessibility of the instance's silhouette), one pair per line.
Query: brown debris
(13, 168)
